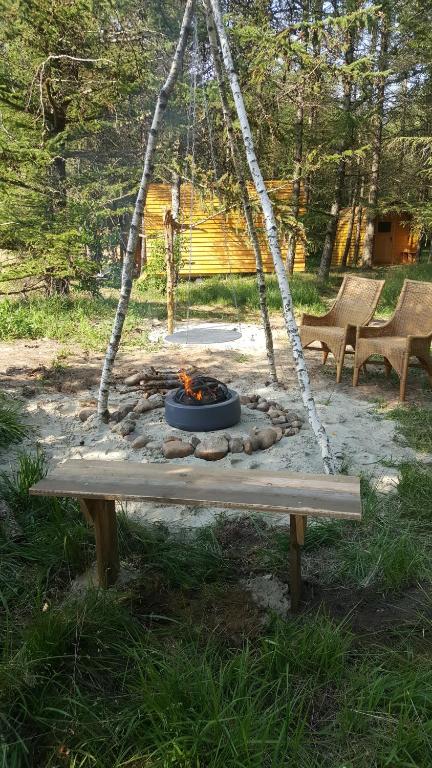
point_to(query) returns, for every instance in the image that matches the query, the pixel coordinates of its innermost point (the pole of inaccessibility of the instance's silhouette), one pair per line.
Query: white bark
(247, 208)
(271, 230)
(129, 258)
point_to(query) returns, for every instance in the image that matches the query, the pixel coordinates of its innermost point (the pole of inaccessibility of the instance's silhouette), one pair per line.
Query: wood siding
(389, 248)
(220, 243)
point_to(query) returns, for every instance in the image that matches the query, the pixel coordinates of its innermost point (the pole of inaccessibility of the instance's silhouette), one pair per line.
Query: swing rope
(203, 335)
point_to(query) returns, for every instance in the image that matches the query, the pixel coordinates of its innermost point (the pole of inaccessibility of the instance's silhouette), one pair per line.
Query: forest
(338, 95)
(215, 384)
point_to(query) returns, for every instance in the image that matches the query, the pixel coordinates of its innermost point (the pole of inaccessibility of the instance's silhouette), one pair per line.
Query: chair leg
(403, 379)
(339, 366)
(325, 353)
(387, 366)
(356, 375)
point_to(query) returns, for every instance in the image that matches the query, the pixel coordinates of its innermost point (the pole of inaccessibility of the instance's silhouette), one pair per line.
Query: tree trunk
(350, 230)
(169, 226)
(377, 129)
(272, 237)
(346, 143)
(129, 259)
(296, 189)
(253, 236)
(175, 210)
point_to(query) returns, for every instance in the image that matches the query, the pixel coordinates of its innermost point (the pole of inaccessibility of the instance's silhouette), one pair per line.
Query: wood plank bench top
(99, 484)
(284, 492)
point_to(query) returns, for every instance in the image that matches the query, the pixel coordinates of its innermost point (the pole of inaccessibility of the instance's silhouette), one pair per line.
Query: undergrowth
(415, 426)
(129, 678)
(12, 428)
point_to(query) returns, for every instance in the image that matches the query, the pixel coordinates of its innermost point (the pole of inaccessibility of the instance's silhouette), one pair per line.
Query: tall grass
(415, 426)
(122, 678)
(12, 428)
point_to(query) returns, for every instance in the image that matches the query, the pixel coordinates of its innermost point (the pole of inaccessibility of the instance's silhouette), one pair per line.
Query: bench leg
(297, 525)
(102, 513)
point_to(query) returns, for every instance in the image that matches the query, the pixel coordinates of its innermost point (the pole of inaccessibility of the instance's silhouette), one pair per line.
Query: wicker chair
(355, 305)
(408, 333)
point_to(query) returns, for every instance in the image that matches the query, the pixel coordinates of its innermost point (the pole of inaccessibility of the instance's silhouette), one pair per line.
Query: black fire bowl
(203, 418)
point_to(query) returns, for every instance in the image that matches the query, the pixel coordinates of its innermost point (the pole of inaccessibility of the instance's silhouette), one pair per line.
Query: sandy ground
(364, 440)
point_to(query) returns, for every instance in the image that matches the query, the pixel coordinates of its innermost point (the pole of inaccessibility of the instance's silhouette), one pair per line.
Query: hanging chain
(191, 155)
(216, 176)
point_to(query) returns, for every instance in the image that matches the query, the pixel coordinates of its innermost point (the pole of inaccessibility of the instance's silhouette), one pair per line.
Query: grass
(133, 677)
(12, 429)
(86, 320)
(414, 425)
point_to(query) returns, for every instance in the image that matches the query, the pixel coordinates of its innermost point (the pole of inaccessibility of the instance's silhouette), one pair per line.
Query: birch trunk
(377, 128)
(129, 258)
(271, 229)
(247, 208)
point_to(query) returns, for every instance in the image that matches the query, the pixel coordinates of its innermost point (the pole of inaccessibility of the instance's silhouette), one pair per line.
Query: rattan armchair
(355, 305)
(407, 334)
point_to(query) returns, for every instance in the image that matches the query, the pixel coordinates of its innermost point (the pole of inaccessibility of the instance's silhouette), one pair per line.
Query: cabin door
(383, 241)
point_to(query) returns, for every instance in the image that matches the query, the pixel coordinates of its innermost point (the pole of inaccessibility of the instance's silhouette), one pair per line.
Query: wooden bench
(99, 484)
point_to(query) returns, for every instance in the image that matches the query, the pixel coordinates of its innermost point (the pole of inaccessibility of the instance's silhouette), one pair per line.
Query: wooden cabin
(395, 241)
(220, 243)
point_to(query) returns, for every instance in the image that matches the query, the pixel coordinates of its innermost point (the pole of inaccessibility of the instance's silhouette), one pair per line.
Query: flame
(187, 382)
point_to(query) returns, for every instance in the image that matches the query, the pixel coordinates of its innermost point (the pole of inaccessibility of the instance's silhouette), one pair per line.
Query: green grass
(132, 677)
(78, 318)
(86, 320)
(12, 429)
(415, 426)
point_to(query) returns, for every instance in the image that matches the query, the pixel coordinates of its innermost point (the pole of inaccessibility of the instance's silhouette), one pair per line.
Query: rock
(135, 378)
(279, 420)
(236, 445)
(263, 406)
(177, 449)
(194, 440)
(122, 412)
(279, 433)
(125, 427)
(290, 416)
(28, 391)
(170, 438)
(244, 399)
(273, 404)
(156, 400)
(84, 413)
(291, 431)
(255, 443)
(140, 442)
(143, 406)
(296, 424)
(247, 446)
(274, 413)
(266, 438)
(154, 445)
(212, 449)
(252, 406)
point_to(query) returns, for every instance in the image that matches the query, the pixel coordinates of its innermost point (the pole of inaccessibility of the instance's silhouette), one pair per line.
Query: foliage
(128, 676)
(154, 272)
(12, 429)
(415, 425)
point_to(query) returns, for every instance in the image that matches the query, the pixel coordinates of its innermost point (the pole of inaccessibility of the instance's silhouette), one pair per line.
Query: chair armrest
(315, 319)
(375, 331)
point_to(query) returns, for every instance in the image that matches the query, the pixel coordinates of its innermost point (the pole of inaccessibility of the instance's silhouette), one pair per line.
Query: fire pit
(202, 404)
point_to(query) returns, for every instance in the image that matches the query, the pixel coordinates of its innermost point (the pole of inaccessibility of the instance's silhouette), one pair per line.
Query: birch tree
(129, 258)
(247, 208)
(272, 236)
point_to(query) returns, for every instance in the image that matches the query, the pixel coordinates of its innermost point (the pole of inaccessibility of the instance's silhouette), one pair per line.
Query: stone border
(284, 423)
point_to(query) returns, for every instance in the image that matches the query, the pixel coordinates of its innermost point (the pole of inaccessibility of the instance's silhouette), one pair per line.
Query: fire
(187, 382)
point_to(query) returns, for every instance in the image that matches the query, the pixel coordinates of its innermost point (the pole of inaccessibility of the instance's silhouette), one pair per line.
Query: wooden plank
(285, 492)
(103, 514)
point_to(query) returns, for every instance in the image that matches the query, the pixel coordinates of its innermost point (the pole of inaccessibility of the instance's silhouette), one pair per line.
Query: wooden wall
(220, 243)
(394, 247)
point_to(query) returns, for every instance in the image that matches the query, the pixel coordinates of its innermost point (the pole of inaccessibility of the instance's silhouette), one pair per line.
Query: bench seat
(99, 484)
